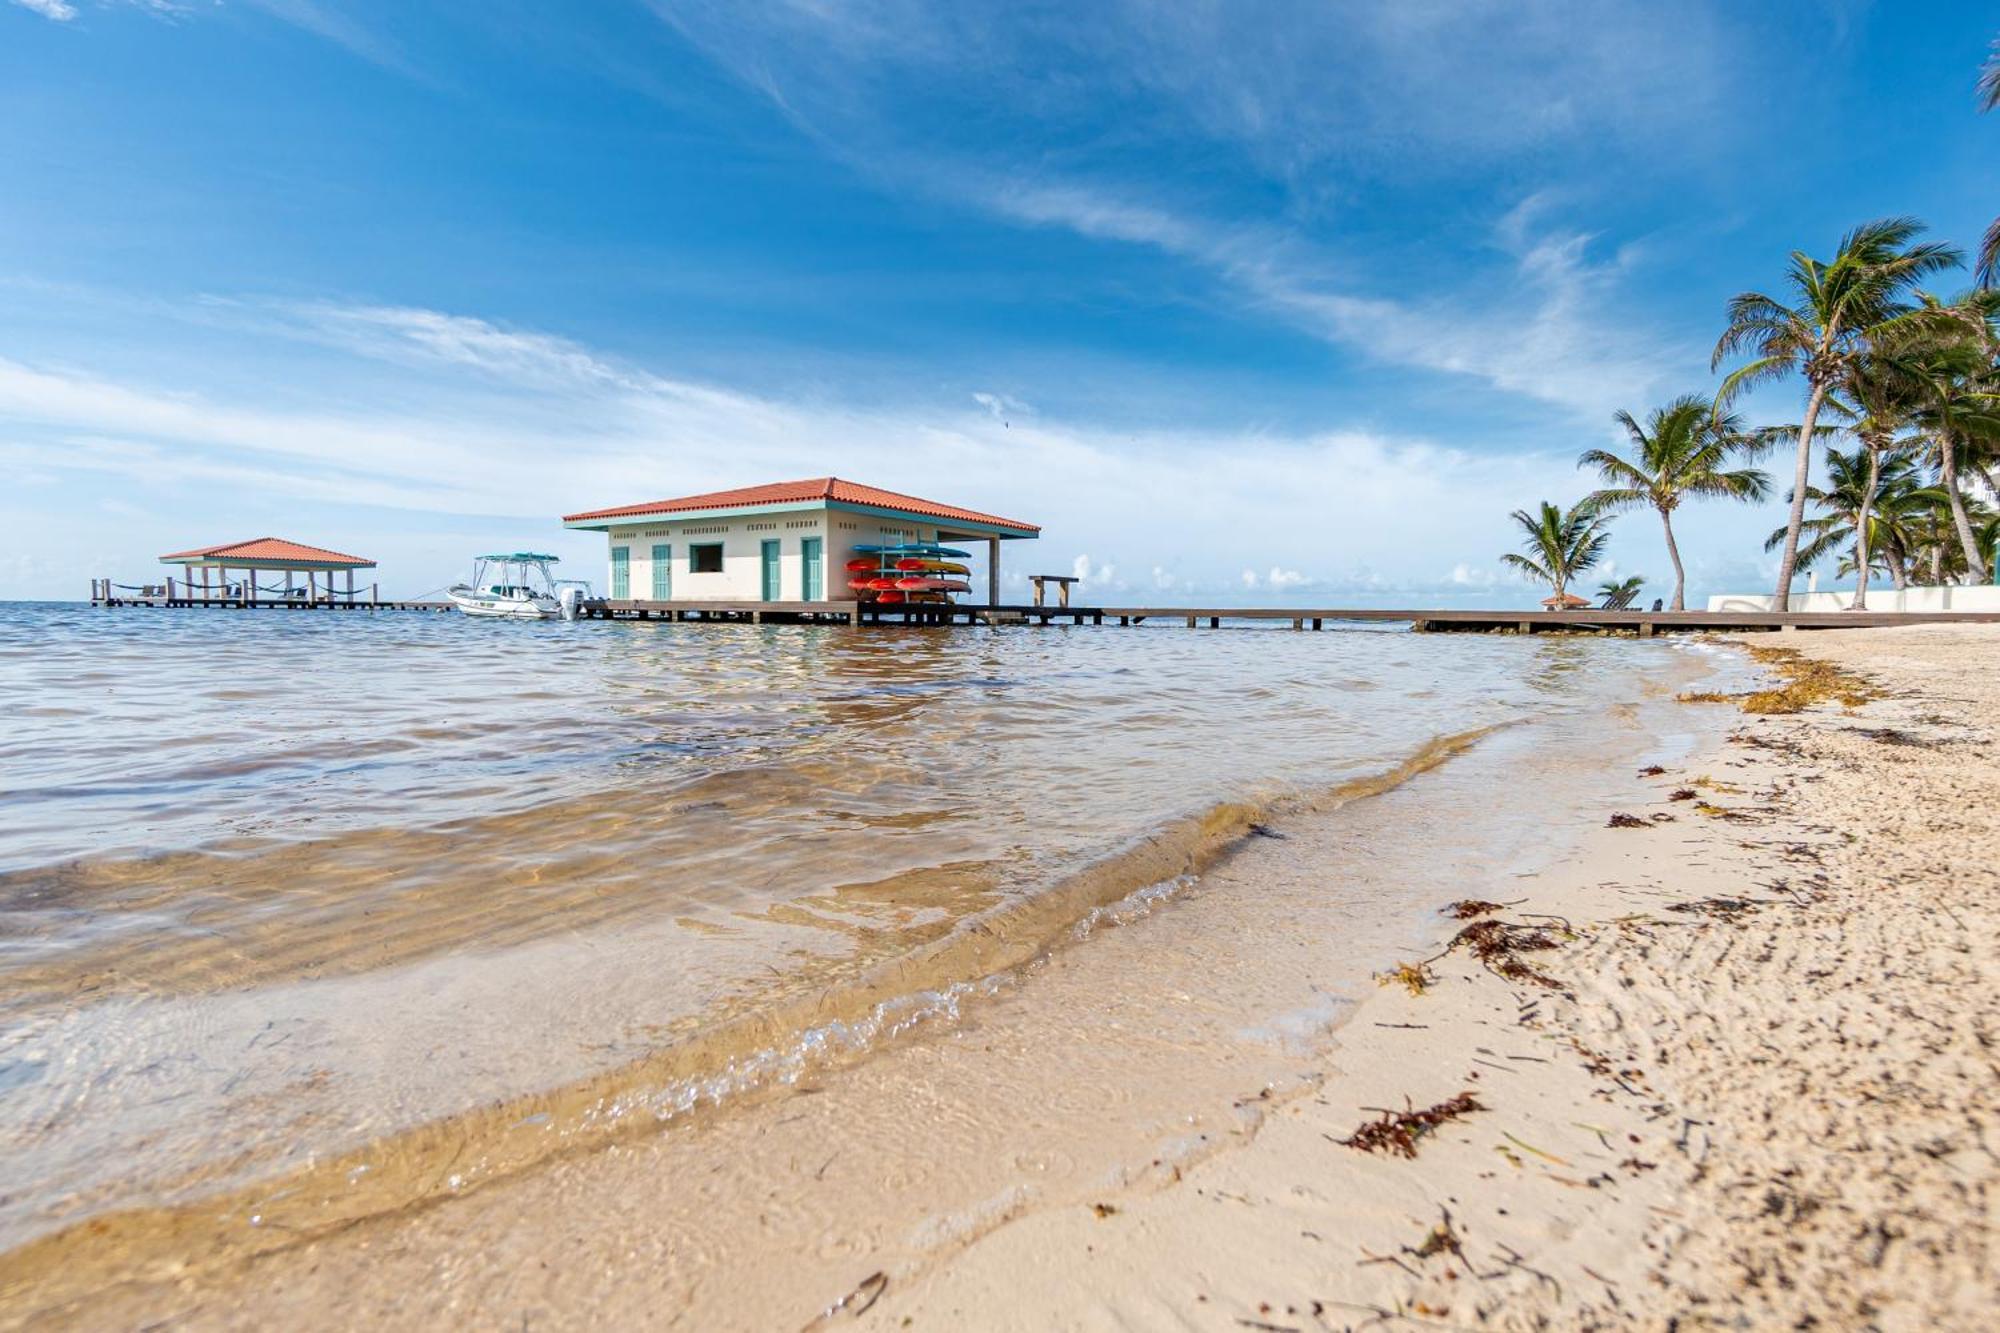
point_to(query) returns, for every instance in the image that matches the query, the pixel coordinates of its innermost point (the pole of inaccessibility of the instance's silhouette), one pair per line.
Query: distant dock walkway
(103, 592)
(1644, 624)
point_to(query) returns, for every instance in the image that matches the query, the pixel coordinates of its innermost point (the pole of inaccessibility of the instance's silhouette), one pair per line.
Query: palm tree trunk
(1975, 568)
(1861, 530)
(1789, 561)
(1899, 568)
(1674, 554)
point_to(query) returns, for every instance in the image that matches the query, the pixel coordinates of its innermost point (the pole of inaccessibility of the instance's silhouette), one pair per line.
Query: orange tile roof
(271, 549)
(793, 492)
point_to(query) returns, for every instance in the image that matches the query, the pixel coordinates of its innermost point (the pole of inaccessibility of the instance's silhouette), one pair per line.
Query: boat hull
(505, 608)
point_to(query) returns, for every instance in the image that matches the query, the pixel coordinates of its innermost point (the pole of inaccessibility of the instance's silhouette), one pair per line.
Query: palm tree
(1886, 388)
(1854, 482)
(1617, 594)
(1837, 309)
(1559, 543)
(1959, 406)
(1989, 97)
(1682, 452)
(1904, 501)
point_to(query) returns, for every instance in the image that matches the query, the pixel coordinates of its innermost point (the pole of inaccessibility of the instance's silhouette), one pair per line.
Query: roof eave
(990, 526)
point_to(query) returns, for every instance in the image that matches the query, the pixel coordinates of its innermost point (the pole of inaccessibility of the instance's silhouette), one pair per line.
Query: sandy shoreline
(1765, 1093)
(1755, 1086)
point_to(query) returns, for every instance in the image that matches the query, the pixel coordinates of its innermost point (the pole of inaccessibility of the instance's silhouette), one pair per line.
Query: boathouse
(785, 542)
(265, 568)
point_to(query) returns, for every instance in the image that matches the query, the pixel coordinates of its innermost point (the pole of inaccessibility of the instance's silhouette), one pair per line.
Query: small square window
(705, 558)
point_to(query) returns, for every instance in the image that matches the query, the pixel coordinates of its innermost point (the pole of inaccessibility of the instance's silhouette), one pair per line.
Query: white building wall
(742, 538)
(1880, 598)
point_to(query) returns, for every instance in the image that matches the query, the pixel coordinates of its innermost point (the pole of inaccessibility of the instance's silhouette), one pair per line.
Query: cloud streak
(1301, 99)
(497, 421)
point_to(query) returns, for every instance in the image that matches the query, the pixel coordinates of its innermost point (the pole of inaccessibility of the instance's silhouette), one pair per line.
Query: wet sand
(1755, 1084)
(1149, 1035)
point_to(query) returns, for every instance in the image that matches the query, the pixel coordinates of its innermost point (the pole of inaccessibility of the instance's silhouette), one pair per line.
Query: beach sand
(1763, 1091)
(1750, 1083)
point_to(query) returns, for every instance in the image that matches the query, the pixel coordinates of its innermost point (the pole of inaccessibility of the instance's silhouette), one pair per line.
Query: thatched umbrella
(1569, 601)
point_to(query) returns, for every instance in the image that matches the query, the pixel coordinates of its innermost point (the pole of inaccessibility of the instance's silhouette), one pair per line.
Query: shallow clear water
(275, 886)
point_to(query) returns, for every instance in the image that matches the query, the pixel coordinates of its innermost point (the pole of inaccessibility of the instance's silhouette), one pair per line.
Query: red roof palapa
(796, 492)
(271, 550)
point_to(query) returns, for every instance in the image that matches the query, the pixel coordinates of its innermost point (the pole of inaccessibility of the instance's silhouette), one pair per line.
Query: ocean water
(377, 905)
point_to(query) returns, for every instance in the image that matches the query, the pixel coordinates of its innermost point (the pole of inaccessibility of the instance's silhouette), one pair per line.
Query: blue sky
(1268, 300)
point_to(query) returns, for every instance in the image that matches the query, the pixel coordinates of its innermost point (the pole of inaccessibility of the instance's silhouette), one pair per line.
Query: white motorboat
(519, 586)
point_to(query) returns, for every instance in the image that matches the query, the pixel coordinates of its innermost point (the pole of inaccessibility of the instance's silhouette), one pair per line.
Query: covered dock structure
(264, 571)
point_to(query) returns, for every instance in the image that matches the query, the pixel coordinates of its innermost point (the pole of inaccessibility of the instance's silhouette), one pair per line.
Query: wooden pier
(244, 596)
(1644, 624)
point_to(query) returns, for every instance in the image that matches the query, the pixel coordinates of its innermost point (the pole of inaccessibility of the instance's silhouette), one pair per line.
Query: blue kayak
(916, 548)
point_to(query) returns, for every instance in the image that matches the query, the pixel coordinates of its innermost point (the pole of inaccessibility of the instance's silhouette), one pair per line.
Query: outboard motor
(568, 599)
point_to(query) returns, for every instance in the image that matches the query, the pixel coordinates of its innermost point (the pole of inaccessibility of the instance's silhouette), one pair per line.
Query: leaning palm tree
(1904, 501)
(1559, 544)
(1682, 452)
(1989, 97)
(1617, 594)
(1837, 309)
(1887, 386)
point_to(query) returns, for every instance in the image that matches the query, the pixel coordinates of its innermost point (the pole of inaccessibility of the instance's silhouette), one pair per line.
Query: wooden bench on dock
(1062, 582)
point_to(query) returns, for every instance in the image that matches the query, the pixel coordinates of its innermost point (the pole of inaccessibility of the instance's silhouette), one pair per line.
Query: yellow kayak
(914, 565)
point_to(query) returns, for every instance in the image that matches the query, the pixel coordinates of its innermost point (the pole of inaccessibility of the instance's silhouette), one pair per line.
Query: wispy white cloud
(307, 15)
(478, 419)
(58, 10)
(1305, 98)
(1540, 329)
(342, 30)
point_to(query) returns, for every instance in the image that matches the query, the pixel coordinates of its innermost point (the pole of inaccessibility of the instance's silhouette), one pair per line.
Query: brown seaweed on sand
(1807, 681)
(1413, 977)
(1496, 945)
(1466, 908)
(1623, 820)
(1399, 1131)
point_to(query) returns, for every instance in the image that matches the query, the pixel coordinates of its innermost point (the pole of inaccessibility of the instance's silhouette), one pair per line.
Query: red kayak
(922, 584)
(884, 584)
(890, 598)
(862, 565)
(861, 585)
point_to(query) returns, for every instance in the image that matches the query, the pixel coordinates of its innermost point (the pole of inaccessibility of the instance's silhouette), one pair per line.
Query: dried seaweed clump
(1413, 977)
(1623, 820)
(1731, 910)
(1497, 944)
(1704, 697)
(1808, 681)
(1400, 1131)
(1467, 908)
